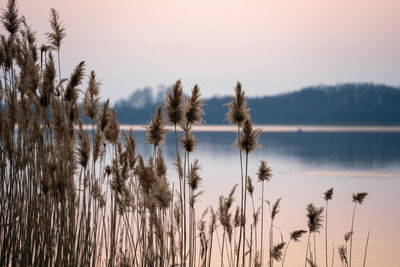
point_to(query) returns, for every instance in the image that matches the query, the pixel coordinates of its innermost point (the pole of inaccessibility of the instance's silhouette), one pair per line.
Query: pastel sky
(272, 46)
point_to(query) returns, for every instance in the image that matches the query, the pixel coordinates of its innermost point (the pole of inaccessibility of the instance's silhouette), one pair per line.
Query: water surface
(304, 165)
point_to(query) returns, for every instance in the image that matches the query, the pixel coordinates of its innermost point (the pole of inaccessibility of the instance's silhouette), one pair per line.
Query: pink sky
(272, 46)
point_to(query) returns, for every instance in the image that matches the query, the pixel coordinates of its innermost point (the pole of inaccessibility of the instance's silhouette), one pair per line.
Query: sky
(271, 46)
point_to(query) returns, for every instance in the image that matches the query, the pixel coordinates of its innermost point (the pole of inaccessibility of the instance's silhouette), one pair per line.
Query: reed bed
(72, 197)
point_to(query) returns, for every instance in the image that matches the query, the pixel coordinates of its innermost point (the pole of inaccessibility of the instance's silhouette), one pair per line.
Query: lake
(305, 164)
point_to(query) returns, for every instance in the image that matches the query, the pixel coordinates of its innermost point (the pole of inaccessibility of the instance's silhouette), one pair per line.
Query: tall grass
(80, 195)
(327, 196)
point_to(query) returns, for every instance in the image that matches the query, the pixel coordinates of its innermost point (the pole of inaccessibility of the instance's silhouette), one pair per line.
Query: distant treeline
(356, 104)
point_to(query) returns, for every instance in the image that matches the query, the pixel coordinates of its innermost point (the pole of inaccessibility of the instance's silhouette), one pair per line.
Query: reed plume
(156, 131)
(104, 116)
(111, 131)
(238, 112)
(343, 254)
(264, 174)
(57, 35)
(358, 198)
(193, 107)
(173, 105)
(10, 17)
(84, 146)
(161, 192)
(174, 109)
(201, 226)
(48, 83)
(58, 31)
(91, 98)
(314, 216)
(294, 236)
(274, 211)
(225, 218)
(194, 178)
(71, 92)
(248, 142)
(188, 141)
(327, 196)
(276, 251)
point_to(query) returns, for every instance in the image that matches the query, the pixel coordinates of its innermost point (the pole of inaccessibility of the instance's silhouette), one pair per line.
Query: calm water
(304, 166)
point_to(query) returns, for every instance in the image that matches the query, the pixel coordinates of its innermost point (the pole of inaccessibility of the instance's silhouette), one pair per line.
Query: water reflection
(346, 150)
(304, 166)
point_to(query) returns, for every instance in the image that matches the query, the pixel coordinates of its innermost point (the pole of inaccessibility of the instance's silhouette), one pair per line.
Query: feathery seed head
(130, 147)
(328, 194)
(194, 177)
(98, 140)
(314, 216)
(236, 217)
(248, 137)
(342, 254)
(188, 141)
(71, 92)
(193, 107)
(104, 116)
(359, 197)
(55, 38)
(161, 167)
(10, 18)
(91, 98)
(178, 166)
(156, 131)
(111, 131)
(174, 108)
(250, 186)
(264, 172)
(277, 251)
(47, 88)
(256, 216)
(347, 236)
(84, 146)
(161, 192)
(213, 221)
(275, 208)
(238, 112)
(296, 235)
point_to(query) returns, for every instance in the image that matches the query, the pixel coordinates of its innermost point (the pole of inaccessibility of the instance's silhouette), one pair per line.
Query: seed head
(328, 194)
(188, 141)
(156, 131)
(314, 216)
(71, 92)
(248, 140)
(57, 35)
(91, 99)
(264, 172)
(359, 197)
(277, 251)
(174, 108)
(193, 107)
(250, 186)
(238, 112)
(296, 235)
(10, 17)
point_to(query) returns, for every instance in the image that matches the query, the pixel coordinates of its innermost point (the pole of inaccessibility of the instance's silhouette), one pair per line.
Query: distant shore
(276, 128)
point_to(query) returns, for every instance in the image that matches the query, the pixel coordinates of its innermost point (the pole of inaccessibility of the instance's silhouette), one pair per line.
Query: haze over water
(304, 166)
